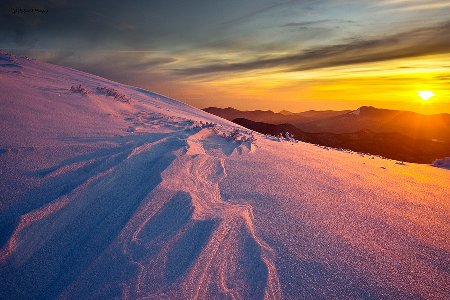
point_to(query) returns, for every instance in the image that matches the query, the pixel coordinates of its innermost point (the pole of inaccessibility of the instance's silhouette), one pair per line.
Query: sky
(249, 54)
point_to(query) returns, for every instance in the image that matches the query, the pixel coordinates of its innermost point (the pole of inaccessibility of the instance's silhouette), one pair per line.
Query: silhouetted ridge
(390, 145)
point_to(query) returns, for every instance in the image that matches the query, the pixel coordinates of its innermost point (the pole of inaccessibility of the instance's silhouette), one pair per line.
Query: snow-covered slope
(106, 199)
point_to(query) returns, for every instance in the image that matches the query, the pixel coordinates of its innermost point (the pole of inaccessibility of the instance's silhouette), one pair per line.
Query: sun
(425, 95)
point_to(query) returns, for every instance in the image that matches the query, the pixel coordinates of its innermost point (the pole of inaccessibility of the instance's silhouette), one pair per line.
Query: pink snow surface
(106, 199)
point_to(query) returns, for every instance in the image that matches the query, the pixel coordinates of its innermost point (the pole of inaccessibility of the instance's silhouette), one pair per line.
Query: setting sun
(426, 95)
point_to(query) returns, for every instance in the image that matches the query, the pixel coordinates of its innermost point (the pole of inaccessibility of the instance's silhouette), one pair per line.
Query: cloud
(121, 60)
(67, 24)
(428, 6)
(414, 5)
(413, 43)
(316, 22)
(246, 17)
(104, 24)
(130, 67)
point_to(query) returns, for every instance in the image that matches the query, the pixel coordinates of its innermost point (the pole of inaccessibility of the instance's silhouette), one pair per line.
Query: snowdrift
(111, 191)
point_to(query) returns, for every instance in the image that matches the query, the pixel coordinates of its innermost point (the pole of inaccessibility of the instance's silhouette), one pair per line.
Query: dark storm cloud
(418, 42)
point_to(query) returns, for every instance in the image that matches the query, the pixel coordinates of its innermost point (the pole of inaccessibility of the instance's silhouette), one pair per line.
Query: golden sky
(292, 55)
(392, 84)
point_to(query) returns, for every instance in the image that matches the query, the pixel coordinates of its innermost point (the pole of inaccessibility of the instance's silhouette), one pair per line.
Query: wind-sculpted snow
(154, 199)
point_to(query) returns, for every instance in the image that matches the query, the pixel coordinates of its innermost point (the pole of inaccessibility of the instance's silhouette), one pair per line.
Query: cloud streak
(415, 5)
(413, 43)
(246, 17)
(316, 22)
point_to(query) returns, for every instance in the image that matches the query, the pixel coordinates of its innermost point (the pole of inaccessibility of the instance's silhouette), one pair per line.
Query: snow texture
(150, 198)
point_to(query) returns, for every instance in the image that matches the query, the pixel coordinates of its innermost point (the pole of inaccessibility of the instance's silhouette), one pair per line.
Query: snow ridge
(223, 229)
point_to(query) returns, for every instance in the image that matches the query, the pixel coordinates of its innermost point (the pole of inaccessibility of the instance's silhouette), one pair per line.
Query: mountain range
(283, 117)
(400, 135)
(414, 125)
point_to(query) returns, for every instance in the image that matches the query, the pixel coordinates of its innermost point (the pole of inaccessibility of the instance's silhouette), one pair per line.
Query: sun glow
(426, 95)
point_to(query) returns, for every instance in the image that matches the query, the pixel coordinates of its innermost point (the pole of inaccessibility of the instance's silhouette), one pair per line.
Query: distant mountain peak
(286, 113)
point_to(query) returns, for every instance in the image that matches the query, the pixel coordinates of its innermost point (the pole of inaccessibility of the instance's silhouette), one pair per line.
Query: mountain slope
(104, 198)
